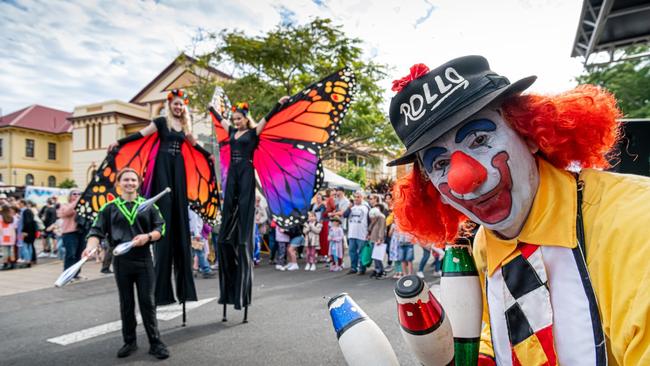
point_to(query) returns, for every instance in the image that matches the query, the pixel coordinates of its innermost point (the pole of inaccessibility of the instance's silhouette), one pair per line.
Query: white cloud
(65, 54)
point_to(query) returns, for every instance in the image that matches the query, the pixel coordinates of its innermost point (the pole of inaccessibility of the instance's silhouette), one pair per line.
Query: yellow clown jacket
(616, 217)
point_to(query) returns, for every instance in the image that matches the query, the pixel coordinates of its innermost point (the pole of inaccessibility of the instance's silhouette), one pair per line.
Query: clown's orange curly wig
(575, 127)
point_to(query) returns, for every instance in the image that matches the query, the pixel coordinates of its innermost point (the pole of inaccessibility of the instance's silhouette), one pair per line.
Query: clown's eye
(480, 140)
(441, 164)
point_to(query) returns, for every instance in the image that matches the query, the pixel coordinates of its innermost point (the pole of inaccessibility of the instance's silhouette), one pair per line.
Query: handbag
(366, 254)
(197, 245)
(379, 251)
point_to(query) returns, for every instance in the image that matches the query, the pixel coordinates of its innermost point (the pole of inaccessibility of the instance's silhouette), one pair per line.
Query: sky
(63, 54)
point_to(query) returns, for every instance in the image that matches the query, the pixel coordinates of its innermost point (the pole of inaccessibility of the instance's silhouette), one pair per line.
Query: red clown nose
(465, 174)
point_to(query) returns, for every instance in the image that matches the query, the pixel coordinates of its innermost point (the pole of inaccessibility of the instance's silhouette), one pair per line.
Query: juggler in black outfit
(117, 222)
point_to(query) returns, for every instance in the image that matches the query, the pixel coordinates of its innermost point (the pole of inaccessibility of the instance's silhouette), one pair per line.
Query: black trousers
(138, 272)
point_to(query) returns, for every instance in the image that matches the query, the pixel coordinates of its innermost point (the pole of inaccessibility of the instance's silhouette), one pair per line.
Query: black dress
(235, 246)
(174, 247)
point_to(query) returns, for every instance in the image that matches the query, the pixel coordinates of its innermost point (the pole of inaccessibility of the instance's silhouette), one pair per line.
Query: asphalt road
(288, 323)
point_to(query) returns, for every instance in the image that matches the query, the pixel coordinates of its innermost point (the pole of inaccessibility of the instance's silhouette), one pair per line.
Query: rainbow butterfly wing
(287, 158)
(290, 175)
(202, 190)
(139, 155)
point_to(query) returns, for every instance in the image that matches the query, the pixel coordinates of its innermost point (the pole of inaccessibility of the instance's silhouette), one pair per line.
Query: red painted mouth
(494, 206)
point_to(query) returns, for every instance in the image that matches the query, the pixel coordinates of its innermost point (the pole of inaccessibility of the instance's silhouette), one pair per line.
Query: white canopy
(333, 180)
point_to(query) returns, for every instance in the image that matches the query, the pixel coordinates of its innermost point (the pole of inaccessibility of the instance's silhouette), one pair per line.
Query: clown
(560, 254)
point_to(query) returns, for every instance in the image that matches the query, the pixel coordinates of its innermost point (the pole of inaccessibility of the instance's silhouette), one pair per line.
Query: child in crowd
(282, 239)
(7, 236)
(296, 241)
(377, 229)
(428, 251)
(335, 238)
(58, 234)
(406, 255)
(312, 229)
(396, 237)
(199, 240)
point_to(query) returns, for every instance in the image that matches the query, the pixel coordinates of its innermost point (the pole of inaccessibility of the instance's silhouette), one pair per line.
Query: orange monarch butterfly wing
(202, 189)
(139, 155)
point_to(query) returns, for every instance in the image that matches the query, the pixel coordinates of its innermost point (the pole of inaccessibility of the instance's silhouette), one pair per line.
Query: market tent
(333, 180)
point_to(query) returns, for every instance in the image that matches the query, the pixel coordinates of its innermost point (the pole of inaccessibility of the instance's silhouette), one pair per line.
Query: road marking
(164, 313)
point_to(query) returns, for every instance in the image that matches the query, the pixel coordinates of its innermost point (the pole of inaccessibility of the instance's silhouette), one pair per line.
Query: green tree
(68, 183)
(629, 81)
(353, 173)
(290, 57)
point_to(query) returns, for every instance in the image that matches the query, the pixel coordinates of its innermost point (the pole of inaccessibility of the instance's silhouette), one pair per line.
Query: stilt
(184, 317)
(224, 319)
(245, 314)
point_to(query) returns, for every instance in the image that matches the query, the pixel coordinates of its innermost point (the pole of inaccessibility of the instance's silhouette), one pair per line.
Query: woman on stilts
(169, 171)
(235, 246)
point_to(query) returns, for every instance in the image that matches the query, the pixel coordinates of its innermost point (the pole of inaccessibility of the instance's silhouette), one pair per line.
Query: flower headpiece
(241, 107)
(180, 93)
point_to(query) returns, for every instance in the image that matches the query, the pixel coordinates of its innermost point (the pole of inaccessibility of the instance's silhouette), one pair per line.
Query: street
(288, 322)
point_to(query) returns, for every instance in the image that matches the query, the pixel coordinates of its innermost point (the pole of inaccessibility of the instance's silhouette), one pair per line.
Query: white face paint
(502, 198)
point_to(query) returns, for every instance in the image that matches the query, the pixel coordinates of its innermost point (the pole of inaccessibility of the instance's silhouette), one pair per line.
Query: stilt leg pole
(245, 314)
(184, 316)
(224, 319)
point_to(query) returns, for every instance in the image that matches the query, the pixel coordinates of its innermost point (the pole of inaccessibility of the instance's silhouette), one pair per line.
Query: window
(51, 181)
(29, 180)
(0, 148)
(51, 151)
(29, 148)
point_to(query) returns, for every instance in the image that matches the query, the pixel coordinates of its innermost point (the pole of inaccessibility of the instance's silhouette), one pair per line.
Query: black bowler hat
(430, 103)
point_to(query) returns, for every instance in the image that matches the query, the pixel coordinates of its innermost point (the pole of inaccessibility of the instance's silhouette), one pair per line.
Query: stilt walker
(165, 154)
(284, 149)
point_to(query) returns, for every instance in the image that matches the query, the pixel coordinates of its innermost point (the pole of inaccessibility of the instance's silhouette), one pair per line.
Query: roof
(170, 67)
(39, 118)
(606, 25)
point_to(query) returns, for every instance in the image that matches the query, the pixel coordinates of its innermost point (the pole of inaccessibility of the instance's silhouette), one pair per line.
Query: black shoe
(352, 271)
(159, 350)
(361, 273)
(373, 275)
(127, 349)
(106, 271)
(208, 274)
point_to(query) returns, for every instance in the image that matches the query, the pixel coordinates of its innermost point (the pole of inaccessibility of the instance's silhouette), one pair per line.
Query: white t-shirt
(358, 222)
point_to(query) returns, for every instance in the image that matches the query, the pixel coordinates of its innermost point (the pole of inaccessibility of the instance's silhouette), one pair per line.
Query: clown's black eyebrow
(430, 156)
(473, 126)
